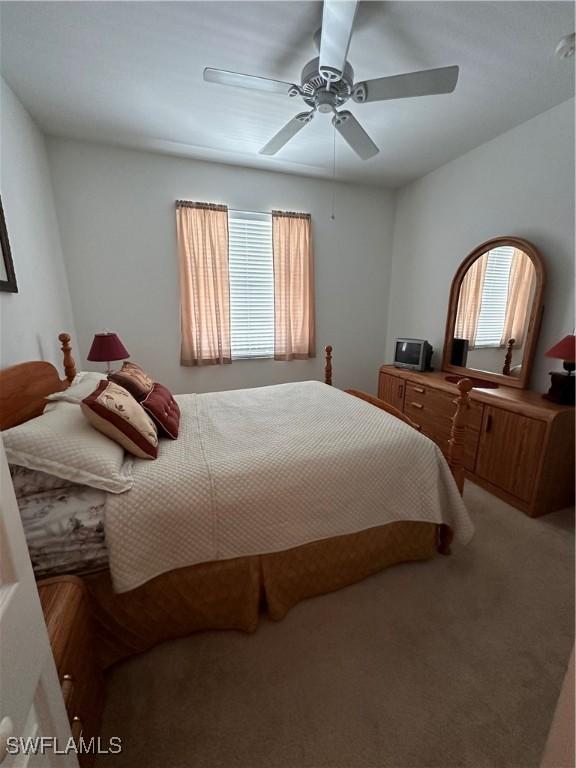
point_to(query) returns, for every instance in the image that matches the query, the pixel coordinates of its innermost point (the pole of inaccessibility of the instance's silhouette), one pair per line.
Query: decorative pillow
(134, 379)
(163, 409)
(112, 410)
(63, 444)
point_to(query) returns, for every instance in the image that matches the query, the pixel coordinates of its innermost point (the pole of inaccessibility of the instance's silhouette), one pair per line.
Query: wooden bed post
(457, 433)
(69, 364)
(328, 365)
(508, 358)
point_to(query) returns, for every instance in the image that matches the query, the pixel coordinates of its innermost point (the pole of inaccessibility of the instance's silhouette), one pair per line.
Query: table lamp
(562, 384)
(106, 347)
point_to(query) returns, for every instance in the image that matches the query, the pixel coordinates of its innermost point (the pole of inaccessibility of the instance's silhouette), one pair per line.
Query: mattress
(63, 523)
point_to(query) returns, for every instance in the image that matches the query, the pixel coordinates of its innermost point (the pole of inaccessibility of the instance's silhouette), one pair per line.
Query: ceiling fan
(328, 82)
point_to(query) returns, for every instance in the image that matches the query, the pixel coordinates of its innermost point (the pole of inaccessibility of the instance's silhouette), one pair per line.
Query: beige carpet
(453, 662)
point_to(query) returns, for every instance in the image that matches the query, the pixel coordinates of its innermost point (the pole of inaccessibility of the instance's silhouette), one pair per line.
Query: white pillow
(84, 384)
(85, 375)
(62, 443)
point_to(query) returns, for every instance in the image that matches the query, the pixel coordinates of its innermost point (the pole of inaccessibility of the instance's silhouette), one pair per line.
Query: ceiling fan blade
(285, 134)
(337, 22)
(352, 132)
(427, 82)
(223, 77)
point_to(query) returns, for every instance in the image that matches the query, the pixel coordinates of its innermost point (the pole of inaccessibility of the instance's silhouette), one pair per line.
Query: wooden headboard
(24, 387)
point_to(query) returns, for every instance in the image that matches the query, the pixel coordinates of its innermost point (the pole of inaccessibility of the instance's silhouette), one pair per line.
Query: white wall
(116, 214)
(31, 319)
(117, 222)
(521, 183)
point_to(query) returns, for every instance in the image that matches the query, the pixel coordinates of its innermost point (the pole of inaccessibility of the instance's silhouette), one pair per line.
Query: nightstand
(66, 608)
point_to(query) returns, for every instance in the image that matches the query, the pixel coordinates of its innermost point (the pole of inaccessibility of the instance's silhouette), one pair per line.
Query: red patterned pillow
(113, 411)
(163, 409)
(134, 379)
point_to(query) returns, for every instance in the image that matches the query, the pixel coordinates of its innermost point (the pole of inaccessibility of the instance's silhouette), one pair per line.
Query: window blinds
(494, 297)
(251, 284)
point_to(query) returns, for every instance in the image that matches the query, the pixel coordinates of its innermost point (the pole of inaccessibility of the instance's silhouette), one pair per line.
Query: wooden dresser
(66, 611)
(518, 445)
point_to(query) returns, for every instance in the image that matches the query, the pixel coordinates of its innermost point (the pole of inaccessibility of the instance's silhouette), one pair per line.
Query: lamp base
(562, 389)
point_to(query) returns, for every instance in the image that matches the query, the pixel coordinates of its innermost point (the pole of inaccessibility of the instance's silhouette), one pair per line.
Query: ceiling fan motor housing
(324, 96)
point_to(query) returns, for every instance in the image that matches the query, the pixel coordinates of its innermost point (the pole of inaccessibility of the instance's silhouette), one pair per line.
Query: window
(251, 284)
(246, 284)
(494, 297)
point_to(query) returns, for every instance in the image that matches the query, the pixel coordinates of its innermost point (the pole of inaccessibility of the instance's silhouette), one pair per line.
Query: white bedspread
(267, 469)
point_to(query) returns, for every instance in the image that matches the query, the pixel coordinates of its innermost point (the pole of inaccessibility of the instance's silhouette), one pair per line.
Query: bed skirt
(231, 594)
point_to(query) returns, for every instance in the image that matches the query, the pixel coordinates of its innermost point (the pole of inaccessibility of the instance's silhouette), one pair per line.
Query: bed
(268, 497)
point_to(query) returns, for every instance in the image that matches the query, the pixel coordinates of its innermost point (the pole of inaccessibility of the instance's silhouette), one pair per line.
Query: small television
(414, 354)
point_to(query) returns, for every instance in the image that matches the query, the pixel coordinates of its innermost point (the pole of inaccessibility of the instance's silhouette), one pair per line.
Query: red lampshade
(106, 347)
(564, 350)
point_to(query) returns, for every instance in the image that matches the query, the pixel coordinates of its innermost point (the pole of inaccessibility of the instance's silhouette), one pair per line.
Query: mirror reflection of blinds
(251, 284)
(494, 297)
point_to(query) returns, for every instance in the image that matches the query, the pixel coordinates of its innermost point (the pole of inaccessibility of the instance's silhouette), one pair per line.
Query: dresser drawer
(419, 392)
(435, 421)
(66, 609)
(433, 410)
(67, 615)
(443, 405)
(433, 400)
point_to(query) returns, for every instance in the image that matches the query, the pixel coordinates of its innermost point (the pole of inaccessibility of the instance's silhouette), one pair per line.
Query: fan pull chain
(332, 215)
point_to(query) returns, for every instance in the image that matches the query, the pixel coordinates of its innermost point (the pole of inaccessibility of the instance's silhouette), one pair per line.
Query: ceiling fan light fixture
(325, 102)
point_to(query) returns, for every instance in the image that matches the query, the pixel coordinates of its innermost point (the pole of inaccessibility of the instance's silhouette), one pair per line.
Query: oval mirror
(494, 313)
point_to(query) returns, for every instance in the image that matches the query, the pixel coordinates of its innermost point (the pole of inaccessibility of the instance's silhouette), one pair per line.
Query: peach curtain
(520, 290)
(470, 301)
(293, 286)
(202, 231)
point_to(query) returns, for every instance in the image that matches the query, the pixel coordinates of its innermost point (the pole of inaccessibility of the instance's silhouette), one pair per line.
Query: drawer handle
(489, 423)
(399, 390)
(420, 390)
(417, 405)
(76, 728)
(67, 689)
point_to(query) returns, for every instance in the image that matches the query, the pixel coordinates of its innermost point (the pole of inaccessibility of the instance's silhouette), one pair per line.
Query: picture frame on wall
(7, 274)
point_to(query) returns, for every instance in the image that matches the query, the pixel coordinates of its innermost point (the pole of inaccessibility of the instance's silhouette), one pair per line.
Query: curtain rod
(243, 210)
(287, 214)
(191, 204)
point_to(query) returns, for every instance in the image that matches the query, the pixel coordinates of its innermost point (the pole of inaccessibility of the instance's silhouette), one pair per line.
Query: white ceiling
(130, 73)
